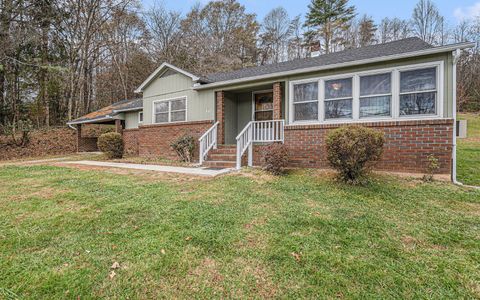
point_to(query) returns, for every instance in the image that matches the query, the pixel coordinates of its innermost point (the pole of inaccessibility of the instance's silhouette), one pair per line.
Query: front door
(263, 106)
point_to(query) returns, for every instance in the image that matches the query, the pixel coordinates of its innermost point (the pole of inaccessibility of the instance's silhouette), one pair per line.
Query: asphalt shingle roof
(109, 110)
(373, 51)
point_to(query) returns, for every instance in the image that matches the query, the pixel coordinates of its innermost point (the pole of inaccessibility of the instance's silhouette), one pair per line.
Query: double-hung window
(173, 110)
(305, 101)
(376, 95)
(338, 98)
(418, 92)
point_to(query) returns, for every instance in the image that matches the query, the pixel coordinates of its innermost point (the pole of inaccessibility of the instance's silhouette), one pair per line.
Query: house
(404, 88)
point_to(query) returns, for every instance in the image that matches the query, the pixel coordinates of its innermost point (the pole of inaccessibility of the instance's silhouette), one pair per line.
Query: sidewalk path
(168, 169)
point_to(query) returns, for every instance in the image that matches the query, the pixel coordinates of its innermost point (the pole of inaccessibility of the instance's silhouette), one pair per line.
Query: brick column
(277, 101)
(118, 126)
(79, 136)
(221, 116)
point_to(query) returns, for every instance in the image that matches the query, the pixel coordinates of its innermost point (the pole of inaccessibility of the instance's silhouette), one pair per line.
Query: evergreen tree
(328, 19)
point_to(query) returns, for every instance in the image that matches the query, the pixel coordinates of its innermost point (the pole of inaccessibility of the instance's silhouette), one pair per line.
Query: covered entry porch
(236, 108)
(244, 116)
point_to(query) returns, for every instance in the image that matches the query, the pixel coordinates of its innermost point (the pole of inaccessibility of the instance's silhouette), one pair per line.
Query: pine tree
(327, 20)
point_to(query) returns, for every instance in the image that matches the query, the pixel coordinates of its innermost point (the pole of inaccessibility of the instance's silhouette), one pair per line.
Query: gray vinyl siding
(131, 120)
(200, 104)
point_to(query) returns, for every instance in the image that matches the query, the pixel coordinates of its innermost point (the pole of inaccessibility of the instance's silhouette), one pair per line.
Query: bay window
(173, 110)
(418, 92)
(305, 101)
(398, 92)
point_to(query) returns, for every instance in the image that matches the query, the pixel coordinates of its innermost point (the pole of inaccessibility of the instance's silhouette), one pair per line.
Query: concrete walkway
(168, 169)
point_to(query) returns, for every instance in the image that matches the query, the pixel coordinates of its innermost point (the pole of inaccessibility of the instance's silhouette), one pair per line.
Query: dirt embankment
(56, 141)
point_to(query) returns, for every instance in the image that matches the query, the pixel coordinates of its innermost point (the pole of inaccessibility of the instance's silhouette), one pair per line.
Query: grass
(468, 155)
(238, 236)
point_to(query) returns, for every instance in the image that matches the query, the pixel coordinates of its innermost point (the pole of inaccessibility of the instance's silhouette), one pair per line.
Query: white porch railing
(208, 141)
(258, 132)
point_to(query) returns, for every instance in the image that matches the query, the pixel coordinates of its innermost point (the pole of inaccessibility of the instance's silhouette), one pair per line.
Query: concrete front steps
(223, 157)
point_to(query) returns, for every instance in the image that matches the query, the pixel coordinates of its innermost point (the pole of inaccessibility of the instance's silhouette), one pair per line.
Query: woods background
(60, 59)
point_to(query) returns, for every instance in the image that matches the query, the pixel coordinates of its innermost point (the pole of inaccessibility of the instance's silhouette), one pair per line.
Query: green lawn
(238, 236)
(468, 155)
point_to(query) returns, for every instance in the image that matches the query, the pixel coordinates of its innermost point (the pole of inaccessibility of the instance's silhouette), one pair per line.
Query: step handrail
(258, 132)
(208, 141)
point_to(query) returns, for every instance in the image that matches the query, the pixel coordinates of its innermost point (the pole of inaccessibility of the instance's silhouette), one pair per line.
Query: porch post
(277, 101)
(79, 136)
(220, 95)
(118, 126)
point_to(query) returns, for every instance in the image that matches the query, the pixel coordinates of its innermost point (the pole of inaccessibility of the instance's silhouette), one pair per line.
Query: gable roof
(160, 71)
(106, 114)
(409, 47)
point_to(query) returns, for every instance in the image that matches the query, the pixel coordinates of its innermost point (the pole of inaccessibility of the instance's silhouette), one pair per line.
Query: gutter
(108, 117)
(127, 110)
(435, 50)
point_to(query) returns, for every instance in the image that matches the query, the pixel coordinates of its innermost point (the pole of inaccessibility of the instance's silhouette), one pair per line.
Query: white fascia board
(107, 118)
(435, 50)
(160, 69)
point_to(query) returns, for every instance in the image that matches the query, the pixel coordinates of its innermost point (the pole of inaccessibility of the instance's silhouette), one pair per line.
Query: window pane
(418, 104)
(161, 107)
(375, 107)
(178, 116)
(140, 117)
(375, 84)
(306, 111)
(305, 92)
(264, 116)
(161, 118)
(337, 109)
(178, 104)
(338, 88)
(264, 101)
(418, 80)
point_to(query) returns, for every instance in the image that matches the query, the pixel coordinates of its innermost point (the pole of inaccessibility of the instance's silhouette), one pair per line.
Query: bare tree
(427, 22)
(274, 36)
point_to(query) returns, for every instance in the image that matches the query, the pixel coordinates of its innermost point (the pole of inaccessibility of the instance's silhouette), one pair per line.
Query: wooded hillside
(60, 59)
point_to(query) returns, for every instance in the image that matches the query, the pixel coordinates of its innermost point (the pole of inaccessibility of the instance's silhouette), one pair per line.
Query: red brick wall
(407, 146)
(277, 101)
(130, 141)
(221, 116)
(155, 140)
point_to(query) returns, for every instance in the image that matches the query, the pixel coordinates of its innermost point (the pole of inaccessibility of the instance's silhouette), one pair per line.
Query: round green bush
(111, 144)
(352, 149)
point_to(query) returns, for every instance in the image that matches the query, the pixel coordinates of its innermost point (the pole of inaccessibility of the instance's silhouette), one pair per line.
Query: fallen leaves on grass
(115, 265)
(296, 256)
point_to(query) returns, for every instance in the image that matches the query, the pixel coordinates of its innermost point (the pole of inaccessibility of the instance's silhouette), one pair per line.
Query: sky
(452, 10)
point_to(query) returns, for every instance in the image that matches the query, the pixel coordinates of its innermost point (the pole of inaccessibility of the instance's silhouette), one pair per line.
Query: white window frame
(140, 119)
(291, 105)
(439, 88)
(392, 78)
(395, 100)
(323, 99)
(170, 110)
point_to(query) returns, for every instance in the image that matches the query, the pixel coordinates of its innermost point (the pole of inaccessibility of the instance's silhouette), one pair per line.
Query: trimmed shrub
(184, 147)
(111, 144)
(276, 159)
(351, 150)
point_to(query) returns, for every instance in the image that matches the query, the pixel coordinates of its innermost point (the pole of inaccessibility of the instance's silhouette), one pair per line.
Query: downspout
(71, 126)
(456, 56)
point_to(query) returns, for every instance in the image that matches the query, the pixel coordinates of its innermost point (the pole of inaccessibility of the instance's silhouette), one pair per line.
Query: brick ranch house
(406, 88)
